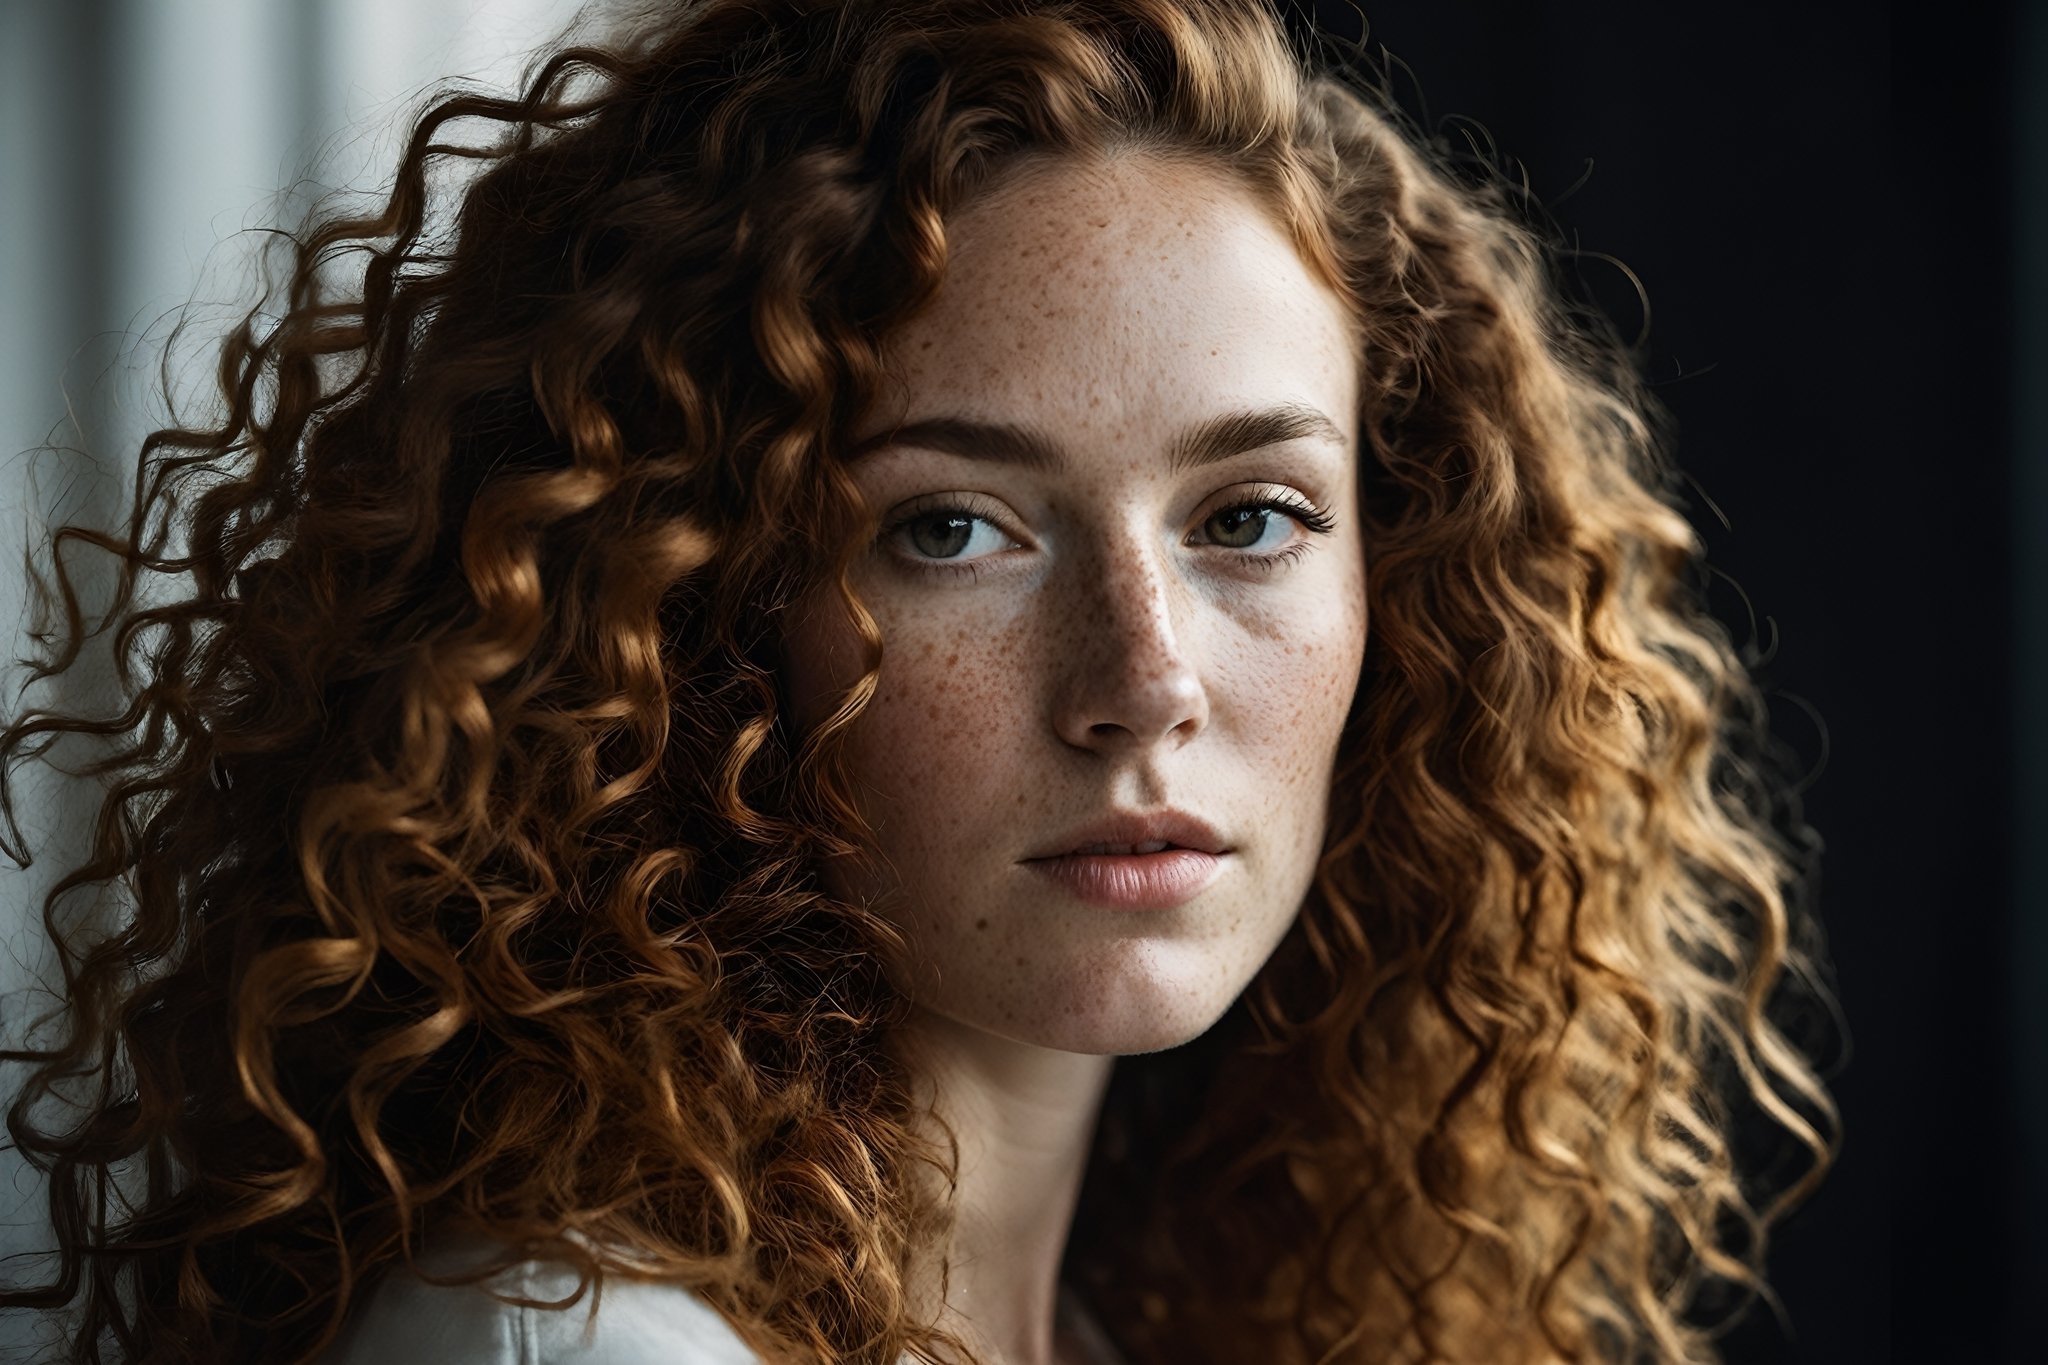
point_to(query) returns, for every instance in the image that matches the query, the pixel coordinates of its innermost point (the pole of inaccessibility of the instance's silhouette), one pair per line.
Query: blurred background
(1839, 214)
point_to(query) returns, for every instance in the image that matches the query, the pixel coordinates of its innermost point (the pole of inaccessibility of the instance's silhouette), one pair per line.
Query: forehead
(1110, 293)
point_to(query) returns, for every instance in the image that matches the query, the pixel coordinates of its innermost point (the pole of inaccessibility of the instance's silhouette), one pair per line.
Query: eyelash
(1311, 518)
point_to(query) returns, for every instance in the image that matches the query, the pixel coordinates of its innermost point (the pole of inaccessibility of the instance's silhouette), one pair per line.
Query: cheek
(1292, 677)
(934, 756)
(930, 737)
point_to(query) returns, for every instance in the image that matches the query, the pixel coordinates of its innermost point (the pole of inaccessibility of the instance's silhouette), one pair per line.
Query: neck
(1025, 1119)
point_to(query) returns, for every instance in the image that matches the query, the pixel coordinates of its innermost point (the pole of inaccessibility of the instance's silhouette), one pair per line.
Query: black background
(1818, 200)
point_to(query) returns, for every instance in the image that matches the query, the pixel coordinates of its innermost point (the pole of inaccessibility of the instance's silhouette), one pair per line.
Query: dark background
(1835, 210)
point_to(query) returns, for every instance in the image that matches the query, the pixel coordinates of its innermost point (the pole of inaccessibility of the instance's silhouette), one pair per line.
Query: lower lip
(1133, 881)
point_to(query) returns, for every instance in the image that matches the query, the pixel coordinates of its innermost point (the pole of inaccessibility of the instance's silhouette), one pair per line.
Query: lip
(1133, 881)
(1184, 831)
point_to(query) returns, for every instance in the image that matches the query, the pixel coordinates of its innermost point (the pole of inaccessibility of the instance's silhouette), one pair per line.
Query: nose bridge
(1138, 594)
(1128, 650)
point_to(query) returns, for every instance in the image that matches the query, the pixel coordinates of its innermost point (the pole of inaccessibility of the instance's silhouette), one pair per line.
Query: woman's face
(1080, 617)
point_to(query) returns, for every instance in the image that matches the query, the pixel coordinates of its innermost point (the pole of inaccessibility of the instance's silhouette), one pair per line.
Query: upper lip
(1132, 827)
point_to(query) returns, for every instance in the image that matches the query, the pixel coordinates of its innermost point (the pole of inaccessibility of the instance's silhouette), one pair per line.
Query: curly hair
(472, 859)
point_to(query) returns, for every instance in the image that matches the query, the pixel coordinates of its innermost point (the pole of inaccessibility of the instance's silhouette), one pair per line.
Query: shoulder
(407, 1319)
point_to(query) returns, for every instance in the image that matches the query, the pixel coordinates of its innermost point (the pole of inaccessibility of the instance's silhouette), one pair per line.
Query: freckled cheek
(933, 740)
(1296, 690)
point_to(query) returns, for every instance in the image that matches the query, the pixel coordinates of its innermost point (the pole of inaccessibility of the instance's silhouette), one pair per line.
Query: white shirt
(408, 1320)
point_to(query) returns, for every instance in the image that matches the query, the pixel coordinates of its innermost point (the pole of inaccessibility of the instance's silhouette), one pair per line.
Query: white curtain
(138, 139)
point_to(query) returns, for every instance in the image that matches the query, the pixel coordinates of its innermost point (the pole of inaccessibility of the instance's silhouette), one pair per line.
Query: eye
(1243, 525)
(1248, 522)
(944, 535)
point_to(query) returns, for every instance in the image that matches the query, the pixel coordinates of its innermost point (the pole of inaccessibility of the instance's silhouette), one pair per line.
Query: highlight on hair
(471, 855)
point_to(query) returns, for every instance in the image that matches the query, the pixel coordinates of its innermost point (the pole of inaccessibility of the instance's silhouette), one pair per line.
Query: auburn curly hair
(470, 859)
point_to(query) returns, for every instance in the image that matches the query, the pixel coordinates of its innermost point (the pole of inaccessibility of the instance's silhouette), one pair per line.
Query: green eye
(939, 535)
(946, 544)
(1256, 515)
(1238, 519)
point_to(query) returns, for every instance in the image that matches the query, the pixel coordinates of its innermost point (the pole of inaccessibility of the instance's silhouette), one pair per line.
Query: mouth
(1134, 834)
(1156, 875)
(1118, 850)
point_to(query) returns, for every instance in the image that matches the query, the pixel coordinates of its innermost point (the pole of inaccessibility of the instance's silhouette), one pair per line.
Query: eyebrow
(1216, 438)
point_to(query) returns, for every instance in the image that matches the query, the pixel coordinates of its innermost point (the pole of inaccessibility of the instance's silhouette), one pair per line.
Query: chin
(1136, 1038)
(1151, 1016)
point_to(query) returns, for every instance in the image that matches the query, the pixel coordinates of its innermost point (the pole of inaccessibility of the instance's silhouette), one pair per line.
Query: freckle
(952, 660)
(931, 712)
(925, 346)
(981, 924)
(1018, 960)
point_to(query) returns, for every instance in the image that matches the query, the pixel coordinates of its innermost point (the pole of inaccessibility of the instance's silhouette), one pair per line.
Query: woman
(893, 554)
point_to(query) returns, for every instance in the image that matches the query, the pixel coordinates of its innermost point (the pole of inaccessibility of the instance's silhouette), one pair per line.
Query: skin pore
(1093, 636)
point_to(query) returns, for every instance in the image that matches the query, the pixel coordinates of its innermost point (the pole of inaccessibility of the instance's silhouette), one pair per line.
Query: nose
(1127, 676)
